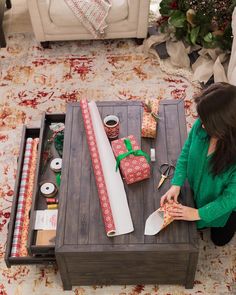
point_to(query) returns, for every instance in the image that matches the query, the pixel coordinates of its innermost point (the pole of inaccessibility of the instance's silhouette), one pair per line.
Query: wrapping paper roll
(22, 197)
(98, 172)
(149, 121)
(28, 201)
(113, 180)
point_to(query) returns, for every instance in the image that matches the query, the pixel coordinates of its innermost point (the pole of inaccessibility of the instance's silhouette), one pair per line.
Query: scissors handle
(163, 178)
(167, 169)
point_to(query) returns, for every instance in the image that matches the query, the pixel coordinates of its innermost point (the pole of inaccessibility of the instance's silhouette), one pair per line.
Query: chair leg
(45, 44)
(8, 4)
(2, 38)
(139, 41)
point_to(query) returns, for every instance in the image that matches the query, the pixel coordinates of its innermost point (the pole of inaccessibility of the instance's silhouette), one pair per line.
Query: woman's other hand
(181, 212)
(171, 195)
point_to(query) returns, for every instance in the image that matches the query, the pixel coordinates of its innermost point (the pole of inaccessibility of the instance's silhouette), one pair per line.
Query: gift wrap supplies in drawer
(133, 162)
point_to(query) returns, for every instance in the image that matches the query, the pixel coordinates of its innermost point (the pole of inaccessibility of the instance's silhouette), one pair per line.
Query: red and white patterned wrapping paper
(149, 123)
(97, 168)
(158, 220)
(28, 201)
(133, 168)
(22, 197)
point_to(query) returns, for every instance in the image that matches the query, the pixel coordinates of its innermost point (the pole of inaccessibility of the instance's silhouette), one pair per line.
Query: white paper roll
(114, 183)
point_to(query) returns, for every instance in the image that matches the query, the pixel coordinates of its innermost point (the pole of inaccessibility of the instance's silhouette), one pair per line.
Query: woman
(208, 162)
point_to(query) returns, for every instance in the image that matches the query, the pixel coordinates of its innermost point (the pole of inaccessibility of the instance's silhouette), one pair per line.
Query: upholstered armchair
(53, 20)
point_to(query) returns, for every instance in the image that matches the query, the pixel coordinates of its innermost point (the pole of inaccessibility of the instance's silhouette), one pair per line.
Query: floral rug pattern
(34, 80)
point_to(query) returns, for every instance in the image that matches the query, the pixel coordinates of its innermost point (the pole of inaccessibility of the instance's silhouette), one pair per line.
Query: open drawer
(44, 174)
(43, 253)
(26, 259)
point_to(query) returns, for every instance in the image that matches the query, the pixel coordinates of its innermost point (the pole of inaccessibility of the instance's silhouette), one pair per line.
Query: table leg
(193, 258)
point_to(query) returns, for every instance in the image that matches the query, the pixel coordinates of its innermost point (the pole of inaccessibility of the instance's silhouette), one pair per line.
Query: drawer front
(9, 259)
(127, 268)
(43, 174)
(31, 260)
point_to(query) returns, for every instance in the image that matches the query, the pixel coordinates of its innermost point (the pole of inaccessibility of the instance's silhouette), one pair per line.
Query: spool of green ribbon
(130, 151)
(58, 178)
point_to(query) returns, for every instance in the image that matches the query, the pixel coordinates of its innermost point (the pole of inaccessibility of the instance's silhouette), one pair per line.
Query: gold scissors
(167, 171)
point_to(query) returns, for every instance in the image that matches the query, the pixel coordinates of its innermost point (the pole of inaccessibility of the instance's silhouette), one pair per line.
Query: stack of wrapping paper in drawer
(133, 162)
(21, 228)
(150, 117)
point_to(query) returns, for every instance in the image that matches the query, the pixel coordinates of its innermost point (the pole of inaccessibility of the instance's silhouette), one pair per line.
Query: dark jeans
(222, 235)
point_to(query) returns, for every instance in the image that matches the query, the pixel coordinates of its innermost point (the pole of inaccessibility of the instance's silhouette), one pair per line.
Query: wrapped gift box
(133, 168)
(149, 122)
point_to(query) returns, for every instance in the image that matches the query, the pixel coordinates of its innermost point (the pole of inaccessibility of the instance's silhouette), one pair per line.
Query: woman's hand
(180, 212)
(171, 195)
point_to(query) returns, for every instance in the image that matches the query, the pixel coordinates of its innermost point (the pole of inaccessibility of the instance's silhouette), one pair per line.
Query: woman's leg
(222, 235)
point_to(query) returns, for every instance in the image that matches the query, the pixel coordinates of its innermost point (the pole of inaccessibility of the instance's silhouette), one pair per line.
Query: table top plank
(122, 114)
(97, 234)
(96, 225)
(106, 111)
(64, 183)
(75, 173)
(84, 190)
(134, 190)
(148, 189)
(176, 147)
(161, 157)
(177, 230)
(172, 134)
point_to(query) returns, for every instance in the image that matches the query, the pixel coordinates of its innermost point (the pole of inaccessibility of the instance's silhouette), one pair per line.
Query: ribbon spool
(48, 189)
(56, 164)
(52, 206)
(52, 200)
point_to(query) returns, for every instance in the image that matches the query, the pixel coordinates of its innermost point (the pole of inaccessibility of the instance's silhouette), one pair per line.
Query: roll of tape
(153, 155)
(56, 164)
(48, 189)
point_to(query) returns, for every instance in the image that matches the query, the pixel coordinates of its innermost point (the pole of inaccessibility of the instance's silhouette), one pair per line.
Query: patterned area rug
(33, 80)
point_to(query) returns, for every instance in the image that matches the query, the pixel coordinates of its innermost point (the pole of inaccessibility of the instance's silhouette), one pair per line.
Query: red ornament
(174, 5)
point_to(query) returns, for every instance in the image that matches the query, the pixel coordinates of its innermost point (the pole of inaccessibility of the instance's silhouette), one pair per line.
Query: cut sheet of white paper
(154, 223)
(46, 219)
(114, 183)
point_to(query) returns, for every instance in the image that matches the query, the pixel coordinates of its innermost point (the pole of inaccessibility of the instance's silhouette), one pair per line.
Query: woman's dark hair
(216, 107)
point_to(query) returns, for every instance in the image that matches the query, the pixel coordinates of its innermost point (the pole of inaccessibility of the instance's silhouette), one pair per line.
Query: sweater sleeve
(181, 166)
(224, 204)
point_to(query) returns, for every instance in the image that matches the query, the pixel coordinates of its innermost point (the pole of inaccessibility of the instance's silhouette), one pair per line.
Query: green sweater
(215, 197)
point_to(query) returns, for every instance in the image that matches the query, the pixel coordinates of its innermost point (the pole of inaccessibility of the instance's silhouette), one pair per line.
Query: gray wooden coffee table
(85, 255)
